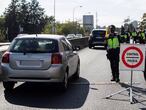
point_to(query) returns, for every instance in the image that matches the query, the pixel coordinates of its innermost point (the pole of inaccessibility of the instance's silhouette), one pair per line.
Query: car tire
(77, 73)
(8, 85)
(90, 46)
(64, 84)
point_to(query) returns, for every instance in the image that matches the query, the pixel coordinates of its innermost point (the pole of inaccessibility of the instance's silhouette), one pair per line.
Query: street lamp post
(74, 12)
(54, 25)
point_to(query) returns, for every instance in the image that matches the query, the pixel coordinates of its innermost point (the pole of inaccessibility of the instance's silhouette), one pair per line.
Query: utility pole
(96, 20)
(54, 25)
(74, 16)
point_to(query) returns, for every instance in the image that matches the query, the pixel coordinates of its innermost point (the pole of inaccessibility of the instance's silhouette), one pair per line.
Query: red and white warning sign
(132, 57)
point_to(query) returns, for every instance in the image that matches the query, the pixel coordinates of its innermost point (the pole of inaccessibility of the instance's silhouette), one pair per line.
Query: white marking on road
(101, 83)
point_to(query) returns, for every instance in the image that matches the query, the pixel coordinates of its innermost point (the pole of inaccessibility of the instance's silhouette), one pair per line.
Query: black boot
(117, 80)
(117, 77)
(113, 79)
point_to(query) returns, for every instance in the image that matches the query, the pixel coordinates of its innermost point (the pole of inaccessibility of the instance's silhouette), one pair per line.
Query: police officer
(113, 50)
(124, 37)
(134, 36)
(141, 35)
(128, 36)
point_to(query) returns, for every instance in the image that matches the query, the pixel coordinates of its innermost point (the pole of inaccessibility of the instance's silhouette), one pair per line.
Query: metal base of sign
(131, 92)
(132, 99)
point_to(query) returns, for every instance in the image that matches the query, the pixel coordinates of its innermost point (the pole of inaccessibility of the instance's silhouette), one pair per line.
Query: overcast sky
(108, 11)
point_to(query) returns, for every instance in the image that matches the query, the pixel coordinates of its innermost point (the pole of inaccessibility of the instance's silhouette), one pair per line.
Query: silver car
(39, 58)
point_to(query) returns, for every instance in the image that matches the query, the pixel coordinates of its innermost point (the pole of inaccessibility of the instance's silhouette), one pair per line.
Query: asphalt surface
(87, 93)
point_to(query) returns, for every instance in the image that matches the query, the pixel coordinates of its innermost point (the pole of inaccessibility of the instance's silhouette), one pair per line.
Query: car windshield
(99, 33)
(34, 45)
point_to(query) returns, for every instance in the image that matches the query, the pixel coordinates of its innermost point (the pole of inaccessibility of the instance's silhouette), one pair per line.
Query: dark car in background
(97, 38)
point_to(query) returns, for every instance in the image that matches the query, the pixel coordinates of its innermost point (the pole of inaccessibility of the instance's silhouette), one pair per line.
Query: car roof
(51, 36)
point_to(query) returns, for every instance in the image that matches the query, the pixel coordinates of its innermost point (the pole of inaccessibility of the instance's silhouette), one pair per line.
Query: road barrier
(79, 43)
(4, 43)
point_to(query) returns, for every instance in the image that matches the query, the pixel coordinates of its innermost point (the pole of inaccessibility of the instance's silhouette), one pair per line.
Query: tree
(24, 17)
(36, 18)
(63, 28)
(131, 27)
(11, 23)
(68, 28)
(127, 20)
(49, 25)
(2, 28)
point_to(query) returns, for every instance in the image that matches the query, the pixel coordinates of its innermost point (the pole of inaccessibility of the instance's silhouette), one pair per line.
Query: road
(87, 93)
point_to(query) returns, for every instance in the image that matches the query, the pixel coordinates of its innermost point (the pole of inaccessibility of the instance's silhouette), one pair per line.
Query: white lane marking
(101, 83)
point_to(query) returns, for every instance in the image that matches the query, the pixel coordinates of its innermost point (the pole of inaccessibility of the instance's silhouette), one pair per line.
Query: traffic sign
(132, 56)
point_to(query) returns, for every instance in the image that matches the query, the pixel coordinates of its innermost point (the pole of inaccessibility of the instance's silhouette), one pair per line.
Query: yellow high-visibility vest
(134, 34)
(143, 35)
(113, 43)
(124, 36)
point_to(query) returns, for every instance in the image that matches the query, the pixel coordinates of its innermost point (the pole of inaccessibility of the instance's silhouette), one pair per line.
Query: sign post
(132, 58)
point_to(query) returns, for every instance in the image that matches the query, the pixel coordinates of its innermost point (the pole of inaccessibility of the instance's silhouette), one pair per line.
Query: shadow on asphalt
(44, 95)
(142, 108)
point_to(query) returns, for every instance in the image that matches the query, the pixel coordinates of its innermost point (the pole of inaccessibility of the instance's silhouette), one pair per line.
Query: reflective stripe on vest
(113, 43)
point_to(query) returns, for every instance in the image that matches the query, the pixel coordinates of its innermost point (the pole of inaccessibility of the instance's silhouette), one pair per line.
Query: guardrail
(6, 43)
(79, 42)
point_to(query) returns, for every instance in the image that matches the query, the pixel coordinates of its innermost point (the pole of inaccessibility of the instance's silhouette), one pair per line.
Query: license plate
(30, 63)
